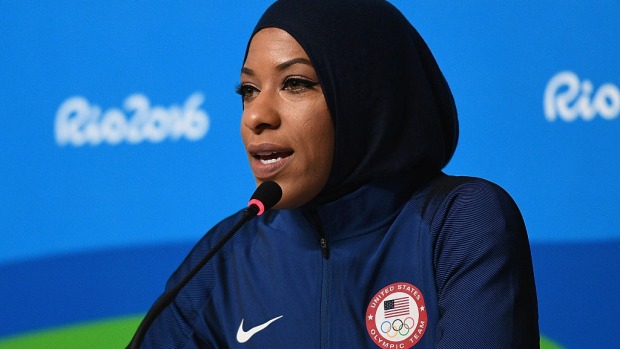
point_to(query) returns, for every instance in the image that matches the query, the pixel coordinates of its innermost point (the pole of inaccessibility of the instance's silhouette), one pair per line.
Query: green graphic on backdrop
(106, 334)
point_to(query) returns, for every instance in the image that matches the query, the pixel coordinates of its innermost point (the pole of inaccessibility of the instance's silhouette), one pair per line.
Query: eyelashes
(245, 90)
(293, 85)
(298, 84)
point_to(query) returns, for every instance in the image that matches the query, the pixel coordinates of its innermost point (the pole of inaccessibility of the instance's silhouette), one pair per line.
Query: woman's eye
(296, 85)
(246, 91)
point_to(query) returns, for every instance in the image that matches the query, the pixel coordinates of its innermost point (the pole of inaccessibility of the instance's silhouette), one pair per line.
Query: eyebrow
(280, 66)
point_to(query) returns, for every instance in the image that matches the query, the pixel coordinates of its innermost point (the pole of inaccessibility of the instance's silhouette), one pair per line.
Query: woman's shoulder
(467, 204)
(446, 185)
(450, 193)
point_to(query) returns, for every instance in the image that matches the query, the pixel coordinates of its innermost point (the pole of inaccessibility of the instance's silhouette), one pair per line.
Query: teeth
(266, 153)
(270, 161)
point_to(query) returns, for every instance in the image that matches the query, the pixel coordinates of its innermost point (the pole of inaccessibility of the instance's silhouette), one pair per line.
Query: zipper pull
(324, 248)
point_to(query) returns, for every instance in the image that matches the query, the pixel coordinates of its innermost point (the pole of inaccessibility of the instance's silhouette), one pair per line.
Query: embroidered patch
(396, 316)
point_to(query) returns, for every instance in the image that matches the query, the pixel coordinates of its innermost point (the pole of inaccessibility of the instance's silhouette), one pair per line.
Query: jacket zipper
(325, 277)
(315, 221)
(324, 247)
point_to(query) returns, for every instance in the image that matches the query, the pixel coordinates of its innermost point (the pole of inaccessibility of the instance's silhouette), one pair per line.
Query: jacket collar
(367, 209)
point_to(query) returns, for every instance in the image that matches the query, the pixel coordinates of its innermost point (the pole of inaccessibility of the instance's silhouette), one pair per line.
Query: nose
(261, 113)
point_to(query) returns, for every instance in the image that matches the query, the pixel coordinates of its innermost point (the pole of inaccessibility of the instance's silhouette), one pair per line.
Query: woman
(371, 244)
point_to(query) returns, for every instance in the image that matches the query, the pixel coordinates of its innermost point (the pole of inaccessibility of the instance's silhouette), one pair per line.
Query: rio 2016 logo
(79, 123)
(568, 97)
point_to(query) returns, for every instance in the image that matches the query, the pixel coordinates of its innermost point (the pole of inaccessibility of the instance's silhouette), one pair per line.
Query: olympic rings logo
(397, 327)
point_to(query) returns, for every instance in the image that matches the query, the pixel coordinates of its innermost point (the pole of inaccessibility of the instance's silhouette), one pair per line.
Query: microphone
(265, 197)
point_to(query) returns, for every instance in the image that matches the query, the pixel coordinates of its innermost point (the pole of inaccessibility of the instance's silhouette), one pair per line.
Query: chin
(285, 204)
(291, 200)
(294, 194)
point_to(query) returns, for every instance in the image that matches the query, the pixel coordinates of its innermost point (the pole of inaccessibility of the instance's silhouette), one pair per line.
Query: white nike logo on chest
(244, 336)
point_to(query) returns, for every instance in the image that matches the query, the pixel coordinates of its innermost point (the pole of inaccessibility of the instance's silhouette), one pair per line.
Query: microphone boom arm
(266, 196)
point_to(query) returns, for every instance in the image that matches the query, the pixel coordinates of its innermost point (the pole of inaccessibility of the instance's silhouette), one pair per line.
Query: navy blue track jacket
(446, 267)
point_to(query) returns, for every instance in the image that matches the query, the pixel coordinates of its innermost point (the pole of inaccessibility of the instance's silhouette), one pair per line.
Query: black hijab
(393, 112)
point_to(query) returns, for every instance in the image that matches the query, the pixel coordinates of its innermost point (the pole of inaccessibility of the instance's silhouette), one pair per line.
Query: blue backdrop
(120, 145)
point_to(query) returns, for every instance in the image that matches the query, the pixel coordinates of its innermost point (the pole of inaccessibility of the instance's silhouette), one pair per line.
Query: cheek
(246, 133)
(242, 130)
(322, 144)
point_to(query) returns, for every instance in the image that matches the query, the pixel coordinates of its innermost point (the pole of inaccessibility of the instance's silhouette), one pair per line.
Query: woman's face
(286, 127)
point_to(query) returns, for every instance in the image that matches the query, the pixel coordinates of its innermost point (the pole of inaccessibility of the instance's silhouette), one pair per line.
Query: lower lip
(267, 171)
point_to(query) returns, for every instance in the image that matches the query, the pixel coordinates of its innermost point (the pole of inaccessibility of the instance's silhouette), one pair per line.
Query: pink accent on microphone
(261, 207)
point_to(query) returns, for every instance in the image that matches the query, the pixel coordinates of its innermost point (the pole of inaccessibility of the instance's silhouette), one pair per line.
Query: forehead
(274, 45)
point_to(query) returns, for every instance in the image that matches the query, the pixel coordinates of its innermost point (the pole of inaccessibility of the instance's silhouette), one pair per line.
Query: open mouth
(269, 157)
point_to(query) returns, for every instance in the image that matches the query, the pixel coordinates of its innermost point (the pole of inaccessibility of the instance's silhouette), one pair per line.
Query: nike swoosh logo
(244, 336)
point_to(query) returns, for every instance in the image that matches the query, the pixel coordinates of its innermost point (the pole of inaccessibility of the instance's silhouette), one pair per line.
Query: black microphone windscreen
(269, 193)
